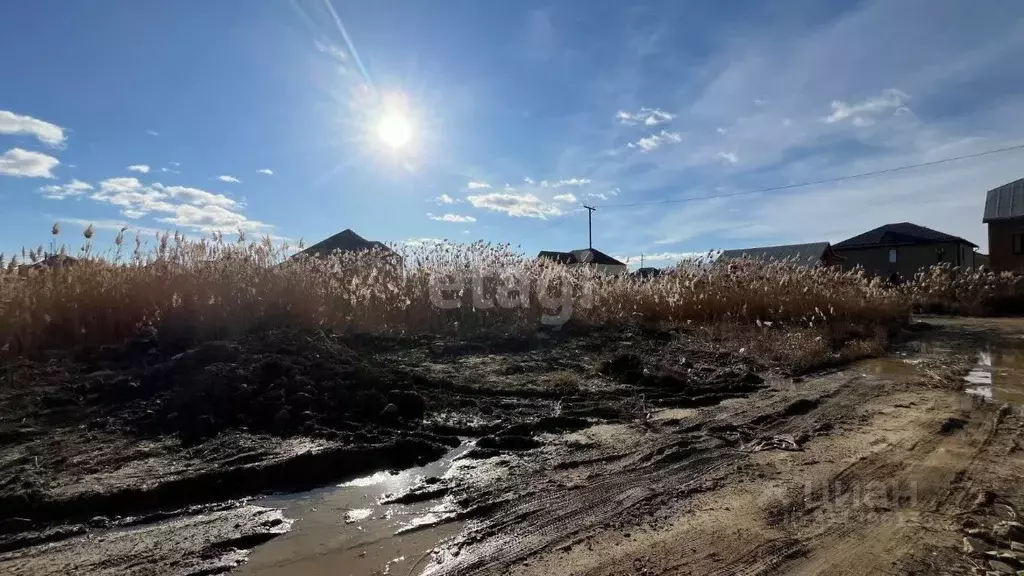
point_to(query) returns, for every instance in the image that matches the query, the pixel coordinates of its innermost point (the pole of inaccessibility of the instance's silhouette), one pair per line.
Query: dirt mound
(280, 382)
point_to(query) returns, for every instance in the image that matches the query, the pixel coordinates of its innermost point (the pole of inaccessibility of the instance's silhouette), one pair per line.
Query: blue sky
(201, 116)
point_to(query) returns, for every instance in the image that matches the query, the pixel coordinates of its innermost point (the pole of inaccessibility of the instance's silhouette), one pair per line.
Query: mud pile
(280, 382)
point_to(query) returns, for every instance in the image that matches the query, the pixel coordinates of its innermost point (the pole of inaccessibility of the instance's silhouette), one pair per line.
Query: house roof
(800, 254)
(344, 241)
(901, 233)
(1006, 201)
(584, 256)
(592, 256)
(560, 257)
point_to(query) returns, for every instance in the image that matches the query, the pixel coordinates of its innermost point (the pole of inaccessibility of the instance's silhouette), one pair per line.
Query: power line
(815, 182)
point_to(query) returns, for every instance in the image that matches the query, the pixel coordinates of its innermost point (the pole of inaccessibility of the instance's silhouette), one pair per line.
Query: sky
(409, 121)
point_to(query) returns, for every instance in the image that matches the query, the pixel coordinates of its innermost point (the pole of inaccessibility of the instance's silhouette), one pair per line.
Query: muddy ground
(612, 452)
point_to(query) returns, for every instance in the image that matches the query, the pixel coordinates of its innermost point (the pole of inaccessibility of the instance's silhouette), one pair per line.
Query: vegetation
(215, 288)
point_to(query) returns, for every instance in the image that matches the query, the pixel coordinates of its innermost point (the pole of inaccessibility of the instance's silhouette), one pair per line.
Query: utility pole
(590, 226)
(641, 259)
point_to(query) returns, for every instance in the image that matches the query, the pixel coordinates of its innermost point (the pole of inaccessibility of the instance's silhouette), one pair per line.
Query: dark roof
(899, 234)
(800, 254)
(592, 256)
(584, 256)
(344, 241)
(647, 272)
(1006, 201)
(560, 257)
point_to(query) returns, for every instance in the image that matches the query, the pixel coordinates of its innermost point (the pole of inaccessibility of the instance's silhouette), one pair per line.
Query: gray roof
(799, 254)
(1006, 201)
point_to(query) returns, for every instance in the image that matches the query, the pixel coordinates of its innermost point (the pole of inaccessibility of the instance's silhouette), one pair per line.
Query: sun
(394, 129)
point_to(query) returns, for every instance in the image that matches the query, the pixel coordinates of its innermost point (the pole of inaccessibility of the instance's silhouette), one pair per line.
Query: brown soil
(117, 437)
(613, 452)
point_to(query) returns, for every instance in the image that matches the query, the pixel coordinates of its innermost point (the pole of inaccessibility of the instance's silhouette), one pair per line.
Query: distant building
(346, 241)
(585, 257)
(900, 250)
(1004, 214)
(647, 272)
(809, 255)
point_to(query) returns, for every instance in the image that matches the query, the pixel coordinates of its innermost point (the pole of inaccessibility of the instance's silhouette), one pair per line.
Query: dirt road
(626, 454)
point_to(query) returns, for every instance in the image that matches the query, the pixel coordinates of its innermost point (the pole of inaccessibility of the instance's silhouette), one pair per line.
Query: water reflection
(998, 374)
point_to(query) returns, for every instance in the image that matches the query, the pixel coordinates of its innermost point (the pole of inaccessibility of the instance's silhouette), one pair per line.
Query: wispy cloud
(26, 164)
(266, 171)
(17, 124)
(229, 179)
(529, 181)
(175, 164)
(152, 132)
(451, 218)
(444, 199)
(519, 205)
(863, 113)
(565, 198)
(144, 169)
(477, 185)
(62, 191)
(656, 140)
(646, 116)
(570, 182)
(729, 157)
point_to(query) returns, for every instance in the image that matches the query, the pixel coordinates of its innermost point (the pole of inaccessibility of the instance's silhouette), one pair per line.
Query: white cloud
(144, 169)
(134, 199)
(152, 132)
(662, 258)
(422, 241)
(565, 198)
(61, 191)
(721, 130)
(519, 205)
(451, 218)
(137, 200)
(26, 164)
(862, 112)
(229, 179)
(45, 132)
(196, 196)
(212, 219)
(528, 180)
(655, 140)
(648, 116)
(444, 199)
(266, 171)
(570, 182)
(729, 157)
(175, 164)
(477, 185)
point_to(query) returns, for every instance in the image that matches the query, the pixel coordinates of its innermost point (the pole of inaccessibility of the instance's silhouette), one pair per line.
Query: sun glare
(394, 129)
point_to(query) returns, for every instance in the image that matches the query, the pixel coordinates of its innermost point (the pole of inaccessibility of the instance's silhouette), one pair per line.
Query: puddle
(342, 530)
(888, 366)
(998, 374)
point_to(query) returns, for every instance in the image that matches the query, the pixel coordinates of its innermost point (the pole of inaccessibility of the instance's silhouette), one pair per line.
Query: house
(585, 257)
(901, 250)
(809, 255)
(346, 241)
(647, 272)
(1004, 215)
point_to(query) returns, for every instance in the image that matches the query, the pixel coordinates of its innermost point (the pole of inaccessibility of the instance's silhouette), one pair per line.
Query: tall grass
(215, 288)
